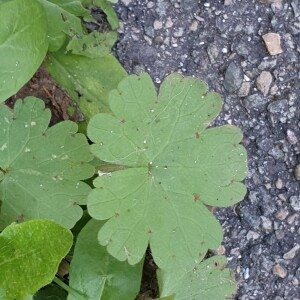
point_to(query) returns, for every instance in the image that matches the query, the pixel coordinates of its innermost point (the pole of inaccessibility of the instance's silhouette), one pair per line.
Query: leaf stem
(70, 290)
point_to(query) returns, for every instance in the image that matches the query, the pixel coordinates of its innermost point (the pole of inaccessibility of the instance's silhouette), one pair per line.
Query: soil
(221, 42)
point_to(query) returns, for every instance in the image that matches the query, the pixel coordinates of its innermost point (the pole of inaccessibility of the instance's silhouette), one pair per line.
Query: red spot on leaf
(122, 121)
(196, 197)
(149, 231)
(197, 135)
(117, 214)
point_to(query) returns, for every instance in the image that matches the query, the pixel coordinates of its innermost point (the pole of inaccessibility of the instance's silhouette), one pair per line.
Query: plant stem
(70, 290)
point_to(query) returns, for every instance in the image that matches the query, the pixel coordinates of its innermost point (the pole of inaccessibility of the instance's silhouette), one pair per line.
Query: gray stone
(297, 172)
(268, 64)
(278, 107)
(263, 82)
(213, 52)
(255, 102)
(292, 253)
(291, 137)
(295, 202)
(266, 224)
(242, 48)
(296, 7)
(245, 89)
(250, 218)
(233, 77)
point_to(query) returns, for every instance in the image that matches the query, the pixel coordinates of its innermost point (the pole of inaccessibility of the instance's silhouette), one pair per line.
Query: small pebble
(126, 2)
(219, 251)
(291, 219)
(279, 271)
(273, 44)
(297, 172)
(291, 137)
(282, 214)
(193, 27)
(292, 253)
(295, 202)
(252, 235)
(279, 184)
(266, 223)
(157, 25)
(263, 82)
(245, 89)
(169, 23)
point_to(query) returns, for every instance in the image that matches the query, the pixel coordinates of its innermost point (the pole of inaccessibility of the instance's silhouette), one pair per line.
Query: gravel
(223, 42)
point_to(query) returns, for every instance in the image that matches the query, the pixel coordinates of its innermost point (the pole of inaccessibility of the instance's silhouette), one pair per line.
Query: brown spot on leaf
(197, 135)
(75, 203)
(20, 218)
(202, 243)
(216, 264)
(196, 197)
(122, 121)
(149, 231)
(117, 214)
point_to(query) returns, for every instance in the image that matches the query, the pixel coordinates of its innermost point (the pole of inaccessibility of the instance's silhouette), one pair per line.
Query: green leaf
(208, 280)
(42, 167)
(106, 7)
(175, 166)
(23, 43)
(88, 81)
(93, 45)
(98, 275)
(63, 20)
(51, 292)
(29, 256)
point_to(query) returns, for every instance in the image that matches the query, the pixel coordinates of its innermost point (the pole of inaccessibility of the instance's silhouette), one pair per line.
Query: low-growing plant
(143, 177)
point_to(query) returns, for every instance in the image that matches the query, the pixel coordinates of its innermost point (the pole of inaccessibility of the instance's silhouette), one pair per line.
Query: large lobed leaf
(175, 166)
(98, 275)
(40, 167)
(23, 43)
(209, 280)
(29, 256)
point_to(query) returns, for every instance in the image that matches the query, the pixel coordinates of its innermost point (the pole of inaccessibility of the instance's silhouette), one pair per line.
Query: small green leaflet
(29, 256)
(23, 44)
(97, 274)
(87, 80)
(208, 280)
(175, 166)
(106, 7)
(41, 167)
(63, 20)
(93, 45)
